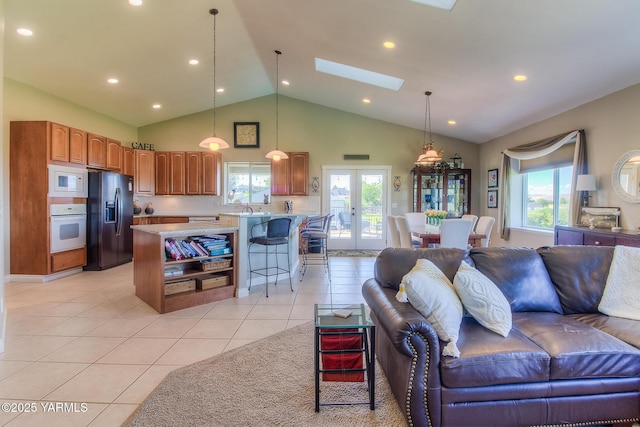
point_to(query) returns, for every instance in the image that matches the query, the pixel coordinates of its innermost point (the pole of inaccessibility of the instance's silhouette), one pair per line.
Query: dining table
(475, 239)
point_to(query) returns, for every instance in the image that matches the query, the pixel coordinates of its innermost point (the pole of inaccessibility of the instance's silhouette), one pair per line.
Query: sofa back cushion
(579, 274)
(521, 276)
(393, 263)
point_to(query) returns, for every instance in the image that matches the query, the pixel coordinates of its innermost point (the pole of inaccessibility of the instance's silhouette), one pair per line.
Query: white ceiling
(573, 51)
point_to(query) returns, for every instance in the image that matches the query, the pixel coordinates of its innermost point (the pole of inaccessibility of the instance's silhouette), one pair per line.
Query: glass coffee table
(351, 325)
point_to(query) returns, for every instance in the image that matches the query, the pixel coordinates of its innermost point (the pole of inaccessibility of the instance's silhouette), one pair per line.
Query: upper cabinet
(144, 176)
(114, 155)
(67, 145)
(96, 151)
(211, 166)
(128, 161)
(170, 172)
(193, 173)
(290, 177)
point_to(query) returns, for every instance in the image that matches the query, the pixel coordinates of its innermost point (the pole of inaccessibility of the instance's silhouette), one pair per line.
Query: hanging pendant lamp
(214, 143)
(277, 154)
(429, 155)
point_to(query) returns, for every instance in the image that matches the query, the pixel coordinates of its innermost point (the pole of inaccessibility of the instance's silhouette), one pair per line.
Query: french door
(358, 199)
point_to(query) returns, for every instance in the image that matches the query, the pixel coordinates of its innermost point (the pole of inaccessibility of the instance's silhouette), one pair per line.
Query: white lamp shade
(586, 183)
(276, 155)
(214, 143)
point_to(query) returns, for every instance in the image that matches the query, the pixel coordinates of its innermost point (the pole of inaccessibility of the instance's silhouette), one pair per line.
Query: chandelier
(429, 156)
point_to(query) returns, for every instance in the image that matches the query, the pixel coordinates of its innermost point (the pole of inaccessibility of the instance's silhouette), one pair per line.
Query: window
(547, 194)
(247, 182)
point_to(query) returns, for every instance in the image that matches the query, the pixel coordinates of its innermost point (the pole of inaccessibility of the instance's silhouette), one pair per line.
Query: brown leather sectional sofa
(562, 363)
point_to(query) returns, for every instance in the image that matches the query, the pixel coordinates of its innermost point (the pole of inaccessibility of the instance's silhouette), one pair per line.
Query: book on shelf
(172, 272)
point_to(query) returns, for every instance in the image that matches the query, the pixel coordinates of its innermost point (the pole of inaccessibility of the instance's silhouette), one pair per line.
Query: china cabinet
(442, 189)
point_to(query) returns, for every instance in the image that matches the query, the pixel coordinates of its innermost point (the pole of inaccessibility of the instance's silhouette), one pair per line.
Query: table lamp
(586, 183)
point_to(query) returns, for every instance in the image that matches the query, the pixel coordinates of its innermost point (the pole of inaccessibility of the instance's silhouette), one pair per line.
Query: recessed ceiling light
(389, 44)
(156, 106)
(135, 2)
(112, 80)
(519, 77)
(441, 4)
(194, 62)
(358, 74)
(366, 100)
(452, 122)
(285, 82)
(24, 32)
(220, 90)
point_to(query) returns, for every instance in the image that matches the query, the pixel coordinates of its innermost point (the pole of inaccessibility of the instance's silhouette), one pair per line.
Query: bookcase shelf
(151, 264)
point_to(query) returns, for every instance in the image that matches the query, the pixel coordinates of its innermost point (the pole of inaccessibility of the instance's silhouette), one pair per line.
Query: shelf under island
(176, 266)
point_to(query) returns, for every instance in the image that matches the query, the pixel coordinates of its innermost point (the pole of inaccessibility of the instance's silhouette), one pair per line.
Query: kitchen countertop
(184, 229)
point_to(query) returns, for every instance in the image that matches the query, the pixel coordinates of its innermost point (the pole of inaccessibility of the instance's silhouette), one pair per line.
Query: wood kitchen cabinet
(193, 173)
(67, 145)
(211, 166)
(114, 155)
(96, 151)
(128, 161)
(290, 177)
(144, 175)
(170, 172)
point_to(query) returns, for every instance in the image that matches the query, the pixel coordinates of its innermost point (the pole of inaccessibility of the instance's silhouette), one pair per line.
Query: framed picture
(246, 134)
(492, 198)
(599, 217)
(492, 178)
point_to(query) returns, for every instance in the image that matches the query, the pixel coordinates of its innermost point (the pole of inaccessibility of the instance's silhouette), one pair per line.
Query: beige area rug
(269, 382)
(352, 253)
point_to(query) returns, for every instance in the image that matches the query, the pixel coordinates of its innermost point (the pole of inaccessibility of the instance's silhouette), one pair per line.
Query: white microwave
(67, 182)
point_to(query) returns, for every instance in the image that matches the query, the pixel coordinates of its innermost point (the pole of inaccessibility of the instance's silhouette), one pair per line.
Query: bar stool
(276, 235)
(314, 236)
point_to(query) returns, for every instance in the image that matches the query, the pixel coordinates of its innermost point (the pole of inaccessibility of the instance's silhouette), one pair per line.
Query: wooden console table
(585, 236)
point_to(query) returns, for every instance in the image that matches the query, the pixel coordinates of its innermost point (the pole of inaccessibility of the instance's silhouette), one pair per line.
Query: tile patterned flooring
(85, 351)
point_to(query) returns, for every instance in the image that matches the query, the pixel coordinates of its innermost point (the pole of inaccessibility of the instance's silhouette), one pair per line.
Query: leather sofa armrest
(399, 320)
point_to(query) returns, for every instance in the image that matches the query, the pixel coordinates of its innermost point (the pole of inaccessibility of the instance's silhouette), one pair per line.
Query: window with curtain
(546, 196)
(247, 182)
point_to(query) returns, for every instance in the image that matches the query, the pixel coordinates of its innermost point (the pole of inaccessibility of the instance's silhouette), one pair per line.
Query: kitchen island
(170, 276)
(244, 222)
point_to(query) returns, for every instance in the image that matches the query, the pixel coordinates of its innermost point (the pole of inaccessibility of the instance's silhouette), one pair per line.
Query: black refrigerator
(109, 220)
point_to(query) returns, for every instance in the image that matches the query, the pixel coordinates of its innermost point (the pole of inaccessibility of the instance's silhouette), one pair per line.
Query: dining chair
(472, 218)
(485, 225)
(406, 241)
(454, 233)
(417, 221)
(392, 232)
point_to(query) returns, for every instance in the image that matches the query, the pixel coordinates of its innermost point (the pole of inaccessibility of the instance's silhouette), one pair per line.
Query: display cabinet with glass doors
(442, 189)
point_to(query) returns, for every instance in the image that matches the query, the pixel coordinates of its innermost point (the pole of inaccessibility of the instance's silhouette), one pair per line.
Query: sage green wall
(22, 102)
(611, 129)
(326, 133)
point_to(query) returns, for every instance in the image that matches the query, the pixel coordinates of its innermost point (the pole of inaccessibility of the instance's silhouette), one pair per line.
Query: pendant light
(277, 154)
(429, 155)
(213, 142)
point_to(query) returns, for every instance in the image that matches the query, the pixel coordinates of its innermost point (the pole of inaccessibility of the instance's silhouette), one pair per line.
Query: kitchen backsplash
(213, 205)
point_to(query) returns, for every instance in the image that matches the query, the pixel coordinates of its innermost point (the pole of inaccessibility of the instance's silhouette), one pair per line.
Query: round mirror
(626, 177)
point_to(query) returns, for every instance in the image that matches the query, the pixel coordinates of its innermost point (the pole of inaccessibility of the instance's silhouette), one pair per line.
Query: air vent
(355, 157)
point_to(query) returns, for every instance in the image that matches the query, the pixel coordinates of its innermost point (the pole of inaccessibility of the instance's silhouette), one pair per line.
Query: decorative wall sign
(397, 183)
(246, 134)
(492, 198)
(315, 184)
(492, 178)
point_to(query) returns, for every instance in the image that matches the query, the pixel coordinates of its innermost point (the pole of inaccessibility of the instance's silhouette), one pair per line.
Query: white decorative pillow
(621, 297)
(482, 299)
(432, 294)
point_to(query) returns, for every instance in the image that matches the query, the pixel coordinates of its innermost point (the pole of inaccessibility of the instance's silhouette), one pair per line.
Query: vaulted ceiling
(572, 51)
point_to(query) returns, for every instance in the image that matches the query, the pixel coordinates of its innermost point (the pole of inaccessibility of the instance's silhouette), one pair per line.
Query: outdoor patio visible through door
(358, 200)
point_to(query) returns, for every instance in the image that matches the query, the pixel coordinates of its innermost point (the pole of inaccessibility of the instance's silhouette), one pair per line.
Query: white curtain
(537, 149)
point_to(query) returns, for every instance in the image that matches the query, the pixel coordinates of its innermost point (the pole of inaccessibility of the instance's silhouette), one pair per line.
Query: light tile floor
(85, 351)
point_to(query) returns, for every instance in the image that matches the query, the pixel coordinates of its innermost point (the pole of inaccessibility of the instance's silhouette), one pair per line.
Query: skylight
(358, 74)
(441, 4)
